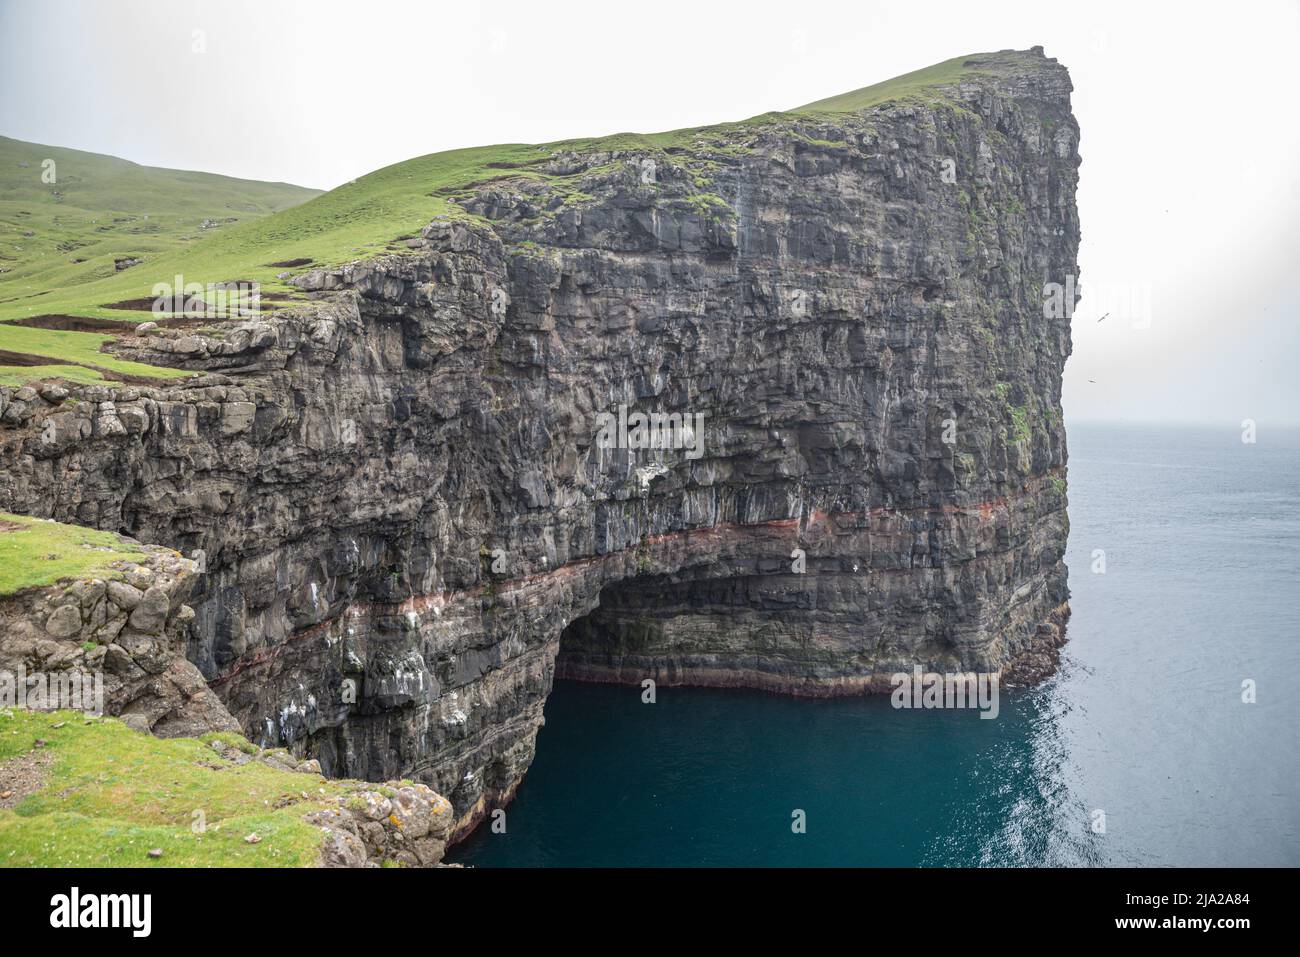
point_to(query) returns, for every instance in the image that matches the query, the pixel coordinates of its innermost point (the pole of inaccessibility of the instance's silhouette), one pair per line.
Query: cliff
(416, 499)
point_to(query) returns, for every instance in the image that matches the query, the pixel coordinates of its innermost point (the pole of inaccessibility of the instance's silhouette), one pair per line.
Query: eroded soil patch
(24, 775)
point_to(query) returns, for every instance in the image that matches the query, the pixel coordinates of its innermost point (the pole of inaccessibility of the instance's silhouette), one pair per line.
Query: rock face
(417, 503)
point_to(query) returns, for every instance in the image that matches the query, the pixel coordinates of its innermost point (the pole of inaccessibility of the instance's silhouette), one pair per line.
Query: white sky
(1188, 189)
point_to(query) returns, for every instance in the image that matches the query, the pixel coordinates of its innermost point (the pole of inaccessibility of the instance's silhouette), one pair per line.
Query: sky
(1188, 191)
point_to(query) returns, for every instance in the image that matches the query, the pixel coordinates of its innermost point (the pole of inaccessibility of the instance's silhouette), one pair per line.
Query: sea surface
(1140, 751)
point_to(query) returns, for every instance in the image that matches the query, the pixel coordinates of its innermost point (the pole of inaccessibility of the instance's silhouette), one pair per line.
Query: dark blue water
(1144, 723)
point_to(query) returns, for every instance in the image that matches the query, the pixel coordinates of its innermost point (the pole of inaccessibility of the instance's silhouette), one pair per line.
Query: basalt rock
(413, 510)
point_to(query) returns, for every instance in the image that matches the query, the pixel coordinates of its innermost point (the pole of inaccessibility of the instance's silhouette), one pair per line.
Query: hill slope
(69, 219)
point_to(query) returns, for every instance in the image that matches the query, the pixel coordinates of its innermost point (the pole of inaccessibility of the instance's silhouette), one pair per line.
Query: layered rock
(411, 521)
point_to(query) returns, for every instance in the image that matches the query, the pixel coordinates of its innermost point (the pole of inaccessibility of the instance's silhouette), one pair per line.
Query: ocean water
(1140, 751)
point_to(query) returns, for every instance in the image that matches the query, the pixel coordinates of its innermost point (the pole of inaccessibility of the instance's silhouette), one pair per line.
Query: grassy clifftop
(91, 792)
(78, 791)
(919, 84)
(34, 553)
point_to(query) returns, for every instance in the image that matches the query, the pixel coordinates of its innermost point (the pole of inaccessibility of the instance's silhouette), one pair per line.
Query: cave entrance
(708, 630)
(621, 639)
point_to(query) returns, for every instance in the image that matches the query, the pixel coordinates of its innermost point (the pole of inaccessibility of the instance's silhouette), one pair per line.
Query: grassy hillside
(81, 348)
(94, 793)
(97, 214)
(363, 218)
(917, 84)
(101, 209)
(357, 219)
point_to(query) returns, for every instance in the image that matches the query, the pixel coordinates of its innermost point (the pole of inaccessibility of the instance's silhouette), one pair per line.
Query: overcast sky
(1188, 191)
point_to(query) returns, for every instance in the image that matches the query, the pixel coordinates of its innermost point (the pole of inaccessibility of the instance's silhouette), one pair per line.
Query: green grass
(355, 221)
(113, 794)
(70, 347)
(919, 84)
(360, 219)
(1021, 428)
(35, 553)
(21, 375)
(100, 209)
(58, 237)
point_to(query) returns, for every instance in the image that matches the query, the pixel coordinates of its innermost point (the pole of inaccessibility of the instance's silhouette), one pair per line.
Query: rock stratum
(410, 523)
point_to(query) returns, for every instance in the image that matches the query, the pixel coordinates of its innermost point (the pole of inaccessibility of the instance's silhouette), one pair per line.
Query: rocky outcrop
(417, 503)
(113, 646)
(399, 823)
